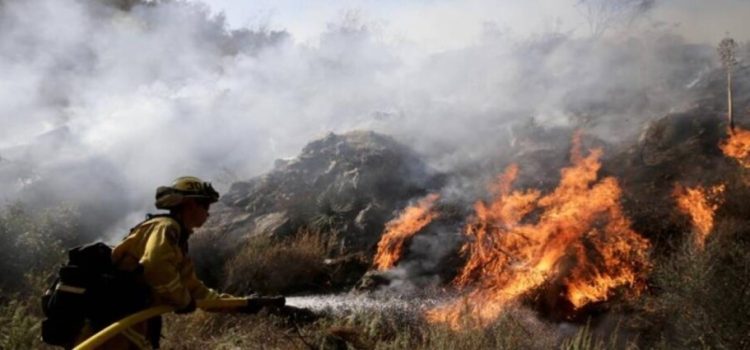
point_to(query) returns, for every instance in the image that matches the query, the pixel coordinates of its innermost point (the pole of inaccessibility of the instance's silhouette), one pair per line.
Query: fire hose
(119, 326)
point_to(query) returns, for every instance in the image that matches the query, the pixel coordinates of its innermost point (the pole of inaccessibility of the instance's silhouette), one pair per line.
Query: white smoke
(100, 105)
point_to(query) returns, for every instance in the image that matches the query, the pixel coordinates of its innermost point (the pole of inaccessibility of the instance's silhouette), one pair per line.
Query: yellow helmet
(168, 197)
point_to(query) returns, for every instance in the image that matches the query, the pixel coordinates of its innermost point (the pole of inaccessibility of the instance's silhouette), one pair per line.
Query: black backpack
(89, 287)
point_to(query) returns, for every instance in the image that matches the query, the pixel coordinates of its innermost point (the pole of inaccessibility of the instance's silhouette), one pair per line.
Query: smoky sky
(100, 104)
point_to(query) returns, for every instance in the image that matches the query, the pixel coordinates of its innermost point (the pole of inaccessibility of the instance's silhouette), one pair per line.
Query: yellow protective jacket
(159, 246)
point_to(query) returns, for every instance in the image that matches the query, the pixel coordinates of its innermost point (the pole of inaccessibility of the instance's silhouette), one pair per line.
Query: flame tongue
(581, 242)
(400, 229)
(737, 146)
(700, 204)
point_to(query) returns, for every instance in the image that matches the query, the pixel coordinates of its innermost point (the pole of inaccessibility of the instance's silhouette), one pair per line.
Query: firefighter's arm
(160, 262)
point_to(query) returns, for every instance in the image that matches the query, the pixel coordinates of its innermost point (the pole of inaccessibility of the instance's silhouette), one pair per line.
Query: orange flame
(398, 230)
(580, 241)
(737, 146)
(700, 204)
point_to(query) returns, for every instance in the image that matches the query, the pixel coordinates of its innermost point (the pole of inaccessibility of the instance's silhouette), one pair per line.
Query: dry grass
(698, 300)
(293, 265)
(21, 317)
(19, 327)
(371, 330)
(202, 330)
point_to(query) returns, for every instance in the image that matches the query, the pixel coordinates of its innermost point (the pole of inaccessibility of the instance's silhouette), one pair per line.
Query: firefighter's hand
(256, 303)
(187, 309)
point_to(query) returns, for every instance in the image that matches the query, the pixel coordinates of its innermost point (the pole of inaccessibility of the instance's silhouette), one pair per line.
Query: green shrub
(37, 240)
(34, 243)
(702, 296)
(20, 328)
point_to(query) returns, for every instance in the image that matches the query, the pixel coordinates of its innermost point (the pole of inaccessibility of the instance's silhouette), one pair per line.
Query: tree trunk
(730, 107)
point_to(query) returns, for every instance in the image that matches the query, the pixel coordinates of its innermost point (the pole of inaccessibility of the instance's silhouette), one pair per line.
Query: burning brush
(737, 146)
(568, 249)
(399, 230)
(700, 204)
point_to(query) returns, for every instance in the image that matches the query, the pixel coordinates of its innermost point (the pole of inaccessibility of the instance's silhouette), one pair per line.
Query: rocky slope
(347, 184)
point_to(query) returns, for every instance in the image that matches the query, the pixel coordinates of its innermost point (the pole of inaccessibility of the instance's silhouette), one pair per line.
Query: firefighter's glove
(187, 309)
(257, 303)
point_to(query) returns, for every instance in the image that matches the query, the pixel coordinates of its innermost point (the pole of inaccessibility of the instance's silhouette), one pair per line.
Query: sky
(448, 24)
(436, 25)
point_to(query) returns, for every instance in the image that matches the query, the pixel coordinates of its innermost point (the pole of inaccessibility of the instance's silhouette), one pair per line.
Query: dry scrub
(292, 265)
(697, 299)
(373, 330)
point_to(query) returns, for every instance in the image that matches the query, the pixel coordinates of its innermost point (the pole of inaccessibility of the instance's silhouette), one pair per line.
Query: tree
(728, 53)
(603, 14)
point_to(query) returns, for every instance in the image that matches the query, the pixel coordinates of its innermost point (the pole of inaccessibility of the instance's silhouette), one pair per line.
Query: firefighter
(158, 249)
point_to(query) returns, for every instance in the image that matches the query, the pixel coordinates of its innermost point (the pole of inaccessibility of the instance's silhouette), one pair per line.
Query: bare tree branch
(602, 15)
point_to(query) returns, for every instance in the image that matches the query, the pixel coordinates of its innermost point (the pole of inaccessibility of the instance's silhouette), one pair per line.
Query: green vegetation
(20, 327)
(701, 297)
(32, 244)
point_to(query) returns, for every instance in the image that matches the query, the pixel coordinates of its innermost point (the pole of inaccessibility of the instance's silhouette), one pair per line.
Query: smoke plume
(102, 101)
